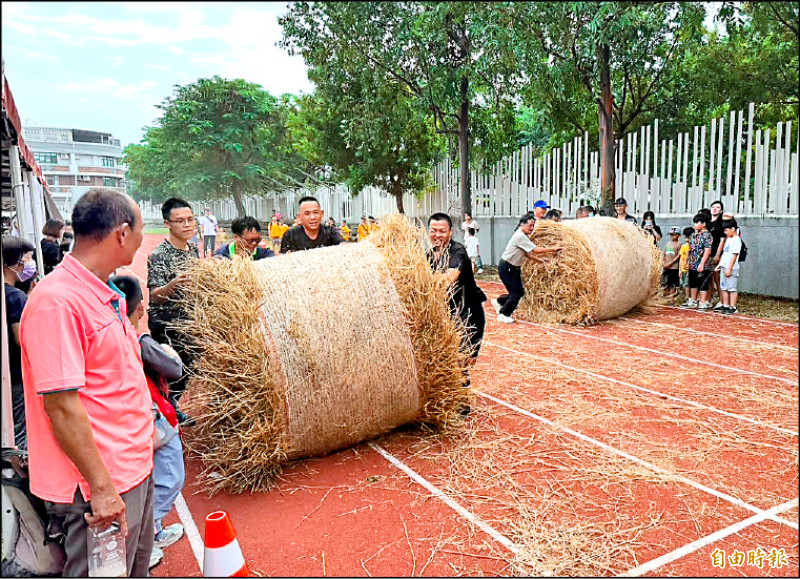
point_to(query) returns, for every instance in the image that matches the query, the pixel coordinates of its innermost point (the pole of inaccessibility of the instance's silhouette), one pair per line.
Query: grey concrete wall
(773, 249)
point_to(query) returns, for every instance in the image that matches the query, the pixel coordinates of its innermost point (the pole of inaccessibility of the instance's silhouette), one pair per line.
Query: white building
(74, 160)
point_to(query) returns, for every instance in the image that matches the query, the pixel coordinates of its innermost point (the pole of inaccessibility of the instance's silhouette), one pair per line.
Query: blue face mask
(28, 271)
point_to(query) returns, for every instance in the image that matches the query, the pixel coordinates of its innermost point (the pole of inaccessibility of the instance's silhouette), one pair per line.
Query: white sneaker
(496, 306)
(156, 555)
(719, 306)
(480, 270)
(168, 536)
(704, 306)
(505, 319)
(689, 303)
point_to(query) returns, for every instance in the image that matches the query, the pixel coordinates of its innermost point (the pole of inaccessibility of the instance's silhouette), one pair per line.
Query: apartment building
(75, 160)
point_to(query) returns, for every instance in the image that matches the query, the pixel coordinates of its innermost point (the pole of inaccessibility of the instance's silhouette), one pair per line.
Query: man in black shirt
(450, 257)
(18, 265)
(718, 244)
(310, 234)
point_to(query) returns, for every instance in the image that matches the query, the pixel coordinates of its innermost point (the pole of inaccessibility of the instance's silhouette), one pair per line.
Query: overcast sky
(104, 66)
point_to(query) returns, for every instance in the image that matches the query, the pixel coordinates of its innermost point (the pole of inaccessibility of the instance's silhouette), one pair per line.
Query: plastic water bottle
(107, 552)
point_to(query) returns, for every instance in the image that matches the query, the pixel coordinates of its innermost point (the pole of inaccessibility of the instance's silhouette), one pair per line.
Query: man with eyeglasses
(246, 237)
(165, 276)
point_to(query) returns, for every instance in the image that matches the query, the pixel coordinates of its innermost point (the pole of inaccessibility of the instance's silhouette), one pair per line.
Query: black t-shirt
(15, 303)
(51, 255)
(296, 239)
(465, 290)
(715, 229)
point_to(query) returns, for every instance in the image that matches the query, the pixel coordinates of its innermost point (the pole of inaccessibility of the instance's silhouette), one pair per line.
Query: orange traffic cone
(223, 556)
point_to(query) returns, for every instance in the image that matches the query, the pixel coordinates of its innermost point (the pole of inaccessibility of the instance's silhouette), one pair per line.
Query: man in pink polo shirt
(88, 409)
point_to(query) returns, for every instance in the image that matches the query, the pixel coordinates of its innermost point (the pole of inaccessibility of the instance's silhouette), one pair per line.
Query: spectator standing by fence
(700, 267)
(717, 246)
(671, 274)
(729, 268)
(90, 426)
(650, 226)
(209, 227)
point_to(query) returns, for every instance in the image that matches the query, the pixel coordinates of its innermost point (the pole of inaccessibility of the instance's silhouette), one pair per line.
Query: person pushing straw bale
(280, 376)
(607, 268)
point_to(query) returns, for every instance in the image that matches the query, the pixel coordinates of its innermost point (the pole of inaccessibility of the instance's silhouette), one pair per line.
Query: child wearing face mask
(18, 266)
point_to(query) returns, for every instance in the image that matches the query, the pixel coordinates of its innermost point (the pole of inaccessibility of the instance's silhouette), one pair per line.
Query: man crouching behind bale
(297, 384)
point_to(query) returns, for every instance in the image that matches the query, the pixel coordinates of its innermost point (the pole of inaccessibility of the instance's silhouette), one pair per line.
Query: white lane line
(707, 540)
(712, 334)
(644, 463)
(793, 382)
(195, 540)
(470, 516)
(739, 316)
(648, 390)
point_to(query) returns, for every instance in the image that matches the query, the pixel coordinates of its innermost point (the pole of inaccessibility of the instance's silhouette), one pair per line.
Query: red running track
(688, 479)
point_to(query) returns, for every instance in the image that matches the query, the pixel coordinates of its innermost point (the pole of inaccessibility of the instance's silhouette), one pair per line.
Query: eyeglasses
(254, 241)
(186, 221)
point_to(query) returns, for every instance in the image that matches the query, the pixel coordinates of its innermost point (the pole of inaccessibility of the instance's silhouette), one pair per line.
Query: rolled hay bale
(607, 268)
(318, 350)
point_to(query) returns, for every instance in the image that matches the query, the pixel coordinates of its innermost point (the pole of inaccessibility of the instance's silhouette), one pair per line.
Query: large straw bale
(607, 268)
(317, 350)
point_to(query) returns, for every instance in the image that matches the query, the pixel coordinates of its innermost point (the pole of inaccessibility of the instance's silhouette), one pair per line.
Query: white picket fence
(753, 175)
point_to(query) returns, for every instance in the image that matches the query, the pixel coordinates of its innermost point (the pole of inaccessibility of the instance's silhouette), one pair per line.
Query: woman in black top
(51, 244)
(649, 225)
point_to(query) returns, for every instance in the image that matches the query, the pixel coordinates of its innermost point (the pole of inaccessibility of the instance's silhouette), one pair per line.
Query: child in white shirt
(473, 248)
(729, 267)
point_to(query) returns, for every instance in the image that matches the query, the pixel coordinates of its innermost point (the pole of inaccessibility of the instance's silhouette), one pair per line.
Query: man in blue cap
(540, 209)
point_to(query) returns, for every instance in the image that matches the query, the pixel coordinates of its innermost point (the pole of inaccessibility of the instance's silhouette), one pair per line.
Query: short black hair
(441, 217)
(130, 286)
(14, 248)
(701, 218)
(172, 203)
(552, 214)
(729, 224)
(99, 211)
(705, 211)
(687, 231)
(53, 227)
(246, 223)
(471, 230)
(721, 206)
(308, 198)
(525, 217)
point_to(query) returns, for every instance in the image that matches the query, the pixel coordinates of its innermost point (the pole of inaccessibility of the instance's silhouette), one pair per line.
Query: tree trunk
(237, 198)
(465, 188)
(606, 136)
(398, 197)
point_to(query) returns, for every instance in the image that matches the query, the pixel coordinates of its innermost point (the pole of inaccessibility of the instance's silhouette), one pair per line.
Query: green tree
(618, 56)
(452, 57)
(216, 138)
(352, 134)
